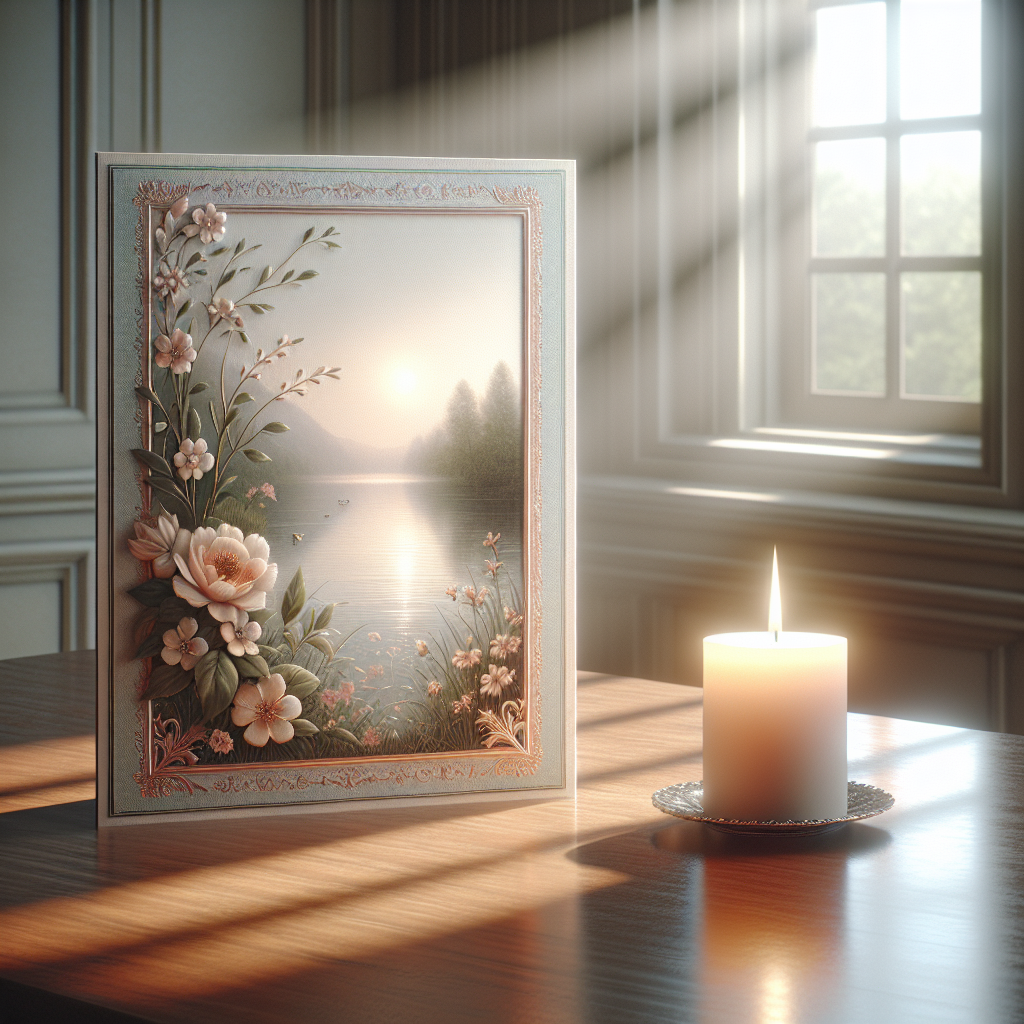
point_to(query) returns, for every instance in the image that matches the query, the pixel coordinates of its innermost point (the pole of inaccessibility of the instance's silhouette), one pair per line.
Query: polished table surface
(600, 909)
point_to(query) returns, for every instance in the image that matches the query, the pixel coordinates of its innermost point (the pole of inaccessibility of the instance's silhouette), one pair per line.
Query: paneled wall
(79, 76)
(931, 593)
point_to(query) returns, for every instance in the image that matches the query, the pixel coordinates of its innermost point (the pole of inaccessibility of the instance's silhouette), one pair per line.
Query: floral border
(164, 767)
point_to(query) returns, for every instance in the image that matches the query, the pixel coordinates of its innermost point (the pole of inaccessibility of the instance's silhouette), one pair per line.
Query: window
(886, 263)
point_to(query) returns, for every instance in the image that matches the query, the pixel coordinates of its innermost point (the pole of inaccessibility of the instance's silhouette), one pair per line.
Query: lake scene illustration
(331, 536)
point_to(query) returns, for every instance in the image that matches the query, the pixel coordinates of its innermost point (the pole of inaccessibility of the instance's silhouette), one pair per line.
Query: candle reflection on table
(772, 935)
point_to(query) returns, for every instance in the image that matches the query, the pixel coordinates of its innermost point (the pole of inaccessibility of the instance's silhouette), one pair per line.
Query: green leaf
(148, 394)
(332, 245)
(223, 485)
(267, 271)
(159, 427)
(307, 275)
(261, 615)
(275, 428)
(195, 424)
(255, 308)
(231, 416)
(300, 682)
(242, 397)
(152, 461)
(252, 666)
(199, 385)
(174, 609)
(308, 235)
(322, 644)
(267, 652)
(287, 276)
(166, 486)
(216, 682)
(201, 273)
(165, 681)
(194, 258)
(152, 592)
(254, 455)
(294, 597)
(244, 336)
(239, 247)
(323, 620)
(227, 277)
(213, 418)
(266, 307)
(217, 252)
(303, 727)
(184, 309)
(152, 645)
(343, 734)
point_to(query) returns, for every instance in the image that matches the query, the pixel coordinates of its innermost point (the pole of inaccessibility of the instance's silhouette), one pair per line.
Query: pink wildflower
(466, 659)
(433, 687)
(371, 738)
(220, 742)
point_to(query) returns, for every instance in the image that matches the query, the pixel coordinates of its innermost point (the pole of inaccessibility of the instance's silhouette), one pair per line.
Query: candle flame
(775, 604)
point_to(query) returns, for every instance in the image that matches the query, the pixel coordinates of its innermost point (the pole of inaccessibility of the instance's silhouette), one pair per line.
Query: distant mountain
(308, 448)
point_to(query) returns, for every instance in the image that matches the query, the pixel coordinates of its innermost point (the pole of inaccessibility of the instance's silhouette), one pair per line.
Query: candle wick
(776, 636)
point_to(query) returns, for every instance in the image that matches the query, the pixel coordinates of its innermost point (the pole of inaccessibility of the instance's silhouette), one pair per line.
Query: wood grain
(595, 910)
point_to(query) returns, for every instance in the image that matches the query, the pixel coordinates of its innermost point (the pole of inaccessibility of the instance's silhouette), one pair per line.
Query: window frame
(706, 394)
(799, 402)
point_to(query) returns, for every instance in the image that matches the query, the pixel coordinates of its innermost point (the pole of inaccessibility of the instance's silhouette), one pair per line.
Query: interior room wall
(633, 92)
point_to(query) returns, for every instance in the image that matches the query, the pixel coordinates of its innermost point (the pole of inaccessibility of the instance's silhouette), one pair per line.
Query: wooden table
(598, 910)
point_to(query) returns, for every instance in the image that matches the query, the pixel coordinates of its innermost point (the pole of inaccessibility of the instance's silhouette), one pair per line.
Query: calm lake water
(388, 546)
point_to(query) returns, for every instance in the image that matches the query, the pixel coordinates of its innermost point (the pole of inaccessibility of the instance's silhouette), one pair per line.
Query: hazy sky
(407, 307)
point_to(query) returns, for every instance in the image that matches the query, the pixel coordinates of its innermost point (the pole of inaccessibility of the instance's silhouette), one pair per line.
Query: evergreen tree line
(480, 443)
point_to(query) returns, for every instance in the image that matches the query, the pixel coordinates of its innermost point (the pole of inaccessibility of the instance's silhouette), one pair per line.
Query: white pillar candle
(775, 724)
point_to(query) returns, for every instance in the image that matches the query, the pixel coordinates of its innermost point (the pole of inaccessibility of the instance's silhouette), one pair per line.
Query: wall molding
(69, 563)
(47, 492)
(676, 558)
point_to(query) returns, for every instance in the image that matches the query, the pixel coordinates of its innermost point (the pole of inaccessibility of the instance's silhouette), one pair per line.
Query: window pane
(941, 194)
(849, 333)
(940, 58)
(849, 64)
(942, 334)
(849, 198)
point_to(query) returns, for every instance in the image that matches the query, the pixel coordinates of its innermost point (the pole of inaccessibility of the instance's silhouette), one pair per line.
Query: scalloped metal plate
(684, 801)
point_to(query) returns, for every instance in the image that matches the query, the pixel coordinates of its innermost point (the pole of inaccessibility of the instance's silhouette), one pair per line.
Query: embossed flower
(159, 544)
(182, 646)
(267, 710)
(241, 634)
(499, 677)
(452, 592)
(225, 572)
(169, 282)
(192, 459)
(176, 351)
(491, 541)
(371, 738)
(492, 567)
(433, 688)
(422, 649)
(466, 659)
(503, 646)
(223, 309)
(512, 617)
(221, 742)
(211, 228)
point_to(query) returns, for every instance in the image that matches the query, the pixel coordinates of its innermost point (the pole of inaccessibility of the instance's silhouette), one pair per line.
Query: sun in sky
(404, 380)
